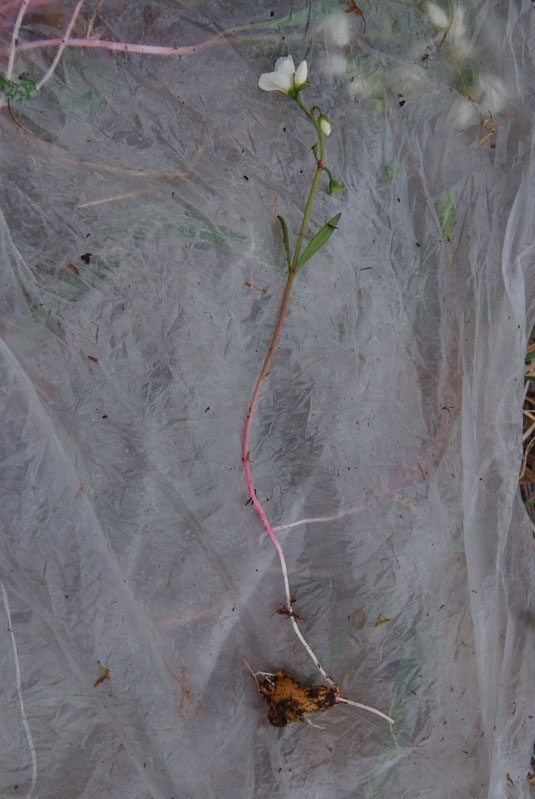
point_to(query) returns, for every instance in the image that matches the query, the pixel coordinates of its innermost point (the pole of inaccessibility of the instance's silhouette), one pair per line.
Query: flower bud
(335, 187)
(325, 124)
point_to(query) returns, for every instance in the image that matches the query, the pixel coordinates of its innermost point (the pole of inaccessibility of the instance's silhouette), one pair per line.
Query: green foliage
(447, 213)
(321, 238)
(19, 92)
(390, 172)
(286, 239)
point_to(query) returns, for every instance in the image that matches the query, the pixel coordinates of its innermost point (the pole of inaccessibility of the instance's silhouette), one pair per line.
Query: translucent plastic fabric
(141, 271)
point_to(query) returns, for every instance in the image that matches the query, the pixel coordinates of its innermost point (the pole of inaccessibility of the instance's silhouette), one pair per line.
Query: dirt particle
(358, 619)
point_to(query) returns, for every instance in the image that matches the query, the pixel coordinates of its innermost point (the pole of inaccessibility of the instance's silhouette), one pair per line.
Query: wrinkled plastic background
(395, 395)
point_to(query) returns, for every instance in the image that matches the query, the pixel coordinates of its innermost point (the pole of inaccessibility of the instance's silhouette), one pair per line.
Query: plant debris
(284, 610)
(288, 700)
(105, 675)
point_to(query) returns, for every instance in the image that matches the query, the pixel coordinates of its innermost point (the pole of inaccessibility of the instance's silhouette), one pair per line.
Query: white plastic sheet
(138, 198)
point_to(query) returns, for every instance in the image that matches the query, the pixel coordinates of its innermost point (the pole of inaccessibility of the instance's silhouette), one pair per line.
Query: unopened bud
(335, 187)
(300, 76)
(325, 124)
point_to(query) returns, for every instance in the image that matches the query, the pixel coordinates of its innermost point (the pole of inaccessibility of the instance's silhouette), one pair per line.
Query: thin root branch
(343, 701)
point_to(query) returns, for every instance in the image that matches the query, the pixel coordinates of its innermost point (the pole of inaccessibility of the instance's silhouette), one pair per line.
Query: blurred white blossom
(334, 64)
(285, 78)
(458, 27)
(457, 34)
(463, 113)
(454, 24)
(438, 16)
(490, 93)
(362, 87)
(337, 29)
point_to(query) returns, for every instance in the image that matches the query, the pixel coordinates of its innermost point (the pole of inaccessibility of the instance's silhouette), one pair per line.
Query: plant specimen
(280, 687)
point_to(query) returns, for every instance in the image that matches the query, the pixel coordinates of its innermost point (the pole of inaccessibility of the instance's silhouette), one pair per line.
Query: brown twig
(493, 129)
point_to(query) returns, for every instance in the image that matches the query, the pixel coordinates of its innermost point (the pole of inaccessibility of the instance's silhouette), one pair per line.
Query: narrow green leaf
(530, 357)
(317, 241)
(284, 227)
(529, 377)
(447, 213)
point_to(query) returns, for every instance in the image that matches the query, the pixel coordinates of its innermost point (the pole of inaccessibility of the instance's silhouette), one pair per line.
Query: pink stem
(250, 416)
(15, 36)
(248, 476)
(46, 77)
(122, 47)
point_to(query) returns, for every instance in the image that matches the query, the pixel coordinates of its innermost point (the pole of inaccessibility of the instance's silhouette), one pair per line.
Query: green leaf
(529, 377)
(321, 238)
(530, 357)
(284, 227)
(25, 90)
(390, 172)
(447, 213)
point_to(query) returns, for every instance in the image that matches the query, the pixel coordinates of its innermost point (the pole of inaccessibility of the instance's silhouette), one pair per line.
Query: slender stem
(306, 218)
(315, 182)
(265, 370)
(50, 71)
(248, 476)
(15, 38)
(122, 47)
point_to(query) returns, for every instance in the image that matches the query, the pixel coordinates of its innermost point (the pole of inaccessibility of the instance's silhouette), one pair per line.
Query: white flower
(286, 77)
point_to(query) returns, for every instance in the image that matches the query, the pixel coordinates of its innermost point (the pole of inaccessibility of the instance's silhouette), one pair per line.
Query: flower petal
(301, 73)
(285, 65)
(275, 82)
